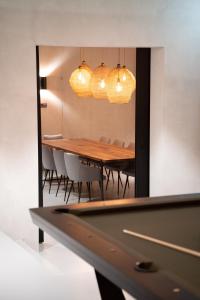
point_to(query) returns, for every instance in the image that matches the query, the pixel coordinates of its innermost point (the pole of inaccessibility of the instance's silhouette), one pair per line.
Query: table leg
(41, 236)
(108, 290)
(102, 189)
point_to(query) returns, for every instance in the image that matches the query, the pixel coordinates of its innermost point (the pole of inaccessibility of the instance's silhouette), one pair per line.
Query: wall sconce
(43, 87)
(43, 83)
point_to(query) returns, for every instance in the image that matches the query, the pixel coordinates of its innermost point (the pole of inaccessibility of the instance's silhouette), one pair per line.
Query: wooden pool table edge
(131, 202)
(43, 219)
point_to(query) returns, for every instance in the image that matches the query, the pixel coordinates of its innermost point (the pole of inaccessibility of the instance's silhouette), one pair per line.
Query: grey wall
(173, 25)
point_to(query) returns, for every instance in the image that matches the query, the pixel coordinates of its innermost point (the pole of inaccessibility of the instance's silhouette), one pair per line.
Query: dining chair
(52, 136)
(118, 143)
(129, 172)
(115, 167)
(131, 146)
(79, 173)
(58, 156)
(48, 164)
(105, 140)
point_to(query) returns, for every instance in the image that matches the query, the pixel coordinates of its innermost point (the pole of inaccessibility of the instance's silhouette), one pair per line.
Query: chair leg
(66, 186)
(59, 182)
(125, 186)
(56, 175)
(106, 171)
(79, 191)
(118, 184)
(50, 180)
(72, 184)
(66, 183)
(108, 178)
(45, 178)
(100, 187)
(89, 190)
(112, 177)
(120, 180)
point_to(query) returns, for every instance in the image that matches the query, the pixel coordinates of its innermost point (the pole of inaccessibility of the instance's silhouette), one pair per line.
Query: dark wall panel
(142, 122)
(40, 192)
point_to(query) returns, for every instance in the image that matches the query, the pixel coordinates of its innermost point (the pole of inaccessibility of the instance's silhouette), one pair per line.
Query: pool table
(162, 261)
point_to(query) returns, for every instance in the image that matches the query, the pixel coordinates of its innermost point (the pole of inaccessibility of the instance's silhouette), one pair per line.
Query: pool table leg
(41, 236)
(108, 290)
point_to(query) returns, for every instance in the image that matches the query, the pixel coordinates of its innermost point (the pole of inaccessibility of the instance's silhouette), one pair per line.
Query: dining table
(94, 151)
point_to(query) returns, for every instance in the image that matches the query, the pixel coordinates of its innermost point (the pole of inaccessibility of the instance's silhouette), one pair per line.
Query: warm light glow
(124, 77)
(80, 80)
(120, 85)
(47, 69)
(102, 84)
(81, 77)
(98, 82)
(50, 97)
(43, 94)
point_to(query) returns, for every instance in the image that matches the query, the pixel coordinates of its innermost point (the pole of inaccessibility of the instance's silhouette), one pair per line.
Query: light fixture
(98, 82)
(43, 83)
(121, 84)
(80, 80)
(43, 90)
(116, 85)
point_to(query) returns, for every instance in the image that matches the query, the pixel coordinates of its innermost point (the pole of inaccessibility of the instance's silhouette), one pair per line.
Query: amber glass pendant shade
(120, 85)
(80, 80)
(98, 82)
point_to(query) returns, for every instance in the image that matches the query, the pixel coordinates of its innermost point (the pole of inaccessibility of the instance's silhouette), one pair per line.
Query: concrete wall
(173, 25)
(78, 117)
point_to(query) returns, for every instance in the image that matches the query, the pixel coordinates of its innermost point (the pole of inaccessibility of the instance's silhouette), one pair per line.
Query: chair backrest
(79, 172)
(58, 156)
(104, 139)
(118, 143)
(47, 158)
(52, 136)
(73, 165)
(131, 146)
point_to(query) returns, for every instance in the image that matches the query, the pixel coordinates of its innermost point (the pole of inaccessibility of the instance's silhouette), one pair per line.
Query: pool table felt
(180, 226)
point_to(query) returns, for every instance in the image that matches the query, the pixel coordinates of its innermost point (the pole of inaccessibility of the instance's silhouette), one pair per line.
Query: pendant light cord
(118, 66)
(82, 54)
(119, 56)
(102, 53)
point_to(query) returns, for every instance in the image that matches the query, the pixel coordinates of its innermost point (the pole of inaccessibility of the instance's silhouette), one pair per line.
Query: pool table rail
(107, 255)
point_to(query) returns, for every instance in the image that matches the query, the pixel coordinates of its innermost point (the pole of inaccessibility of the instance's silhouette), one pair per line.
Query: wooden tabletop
(92, 149)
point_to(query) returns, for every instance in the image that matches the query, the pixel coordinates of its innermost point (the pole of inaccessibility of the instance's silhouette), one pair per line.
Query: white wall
(173, 25)
(76, 117)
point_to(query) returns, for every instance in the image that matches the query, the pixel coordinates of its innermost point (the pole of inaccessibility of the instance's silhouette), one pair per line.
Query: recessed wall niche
(84, 117)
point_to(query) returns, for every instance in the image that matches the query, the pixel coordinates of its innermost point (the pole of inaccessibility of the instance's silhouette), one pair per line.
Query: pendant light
(98, 82)
(121, 85)
(80, 80)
